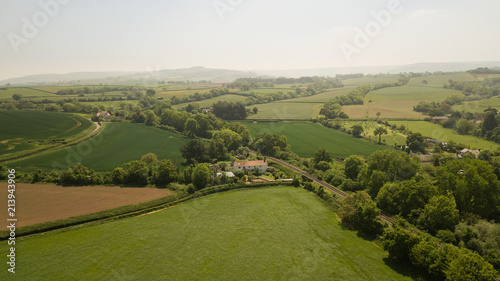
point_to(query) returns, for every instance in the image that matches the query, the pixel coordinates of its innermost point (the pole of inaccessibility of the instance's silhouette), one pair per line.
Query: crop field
(66, 202)
(436, 131)
(210, 102)
(24, 130)
(25, 92)
(262, 234)
(440, 80)
(117, 144)
(285, 110)
(307, 138)
(387, 109)
(410, 93)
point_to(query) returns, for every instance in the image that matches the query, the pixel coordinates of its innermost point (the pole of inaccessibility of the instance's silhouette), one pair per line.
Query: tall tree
(379, 131)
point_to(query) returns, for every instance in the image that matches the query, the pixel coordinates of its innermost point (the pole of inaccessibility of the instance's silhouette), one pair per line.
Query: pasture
(67, 202)
(307, 138)
(436, 131)
(285, 110)
(262, 234)
(117, 144)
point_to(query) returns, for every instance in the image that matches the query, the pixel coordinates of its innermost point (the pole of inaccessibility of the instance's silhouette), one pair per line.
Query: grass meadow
(307, 138)
(436, 131)
(117, 144)
(278, 233)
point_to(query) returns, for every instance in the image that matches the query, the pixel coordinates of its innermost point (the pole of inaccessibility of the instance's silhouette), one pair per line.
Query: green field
(38, 124)
(478, 106)
(25, 92)
(307, 138)
(117, 144)
(387, 109)
(328, 95)
(410, 93)
(25, 130)
(436, 131)
(262, 234)
(439, 80)
(283, 110)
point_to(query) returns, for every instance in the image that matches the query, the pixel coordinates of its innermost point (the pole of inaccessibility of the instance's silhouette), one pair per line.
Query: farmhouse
(466, 150)
(424, 159)
(439, 119)
(434, 141)
(250, 165)
(104, 114)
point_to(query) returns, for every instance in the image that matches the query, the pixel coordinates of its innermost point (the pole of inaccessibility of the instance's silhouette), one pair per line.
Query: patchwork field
(117, 144)
(387, 109)
(307, 138)
(410, 93)
(439, 80)
(262, 234)
(284, 110)
(436, 131)
(210, 102)
(24, 130)
(66, 202)
(372, 80)
(25, 92)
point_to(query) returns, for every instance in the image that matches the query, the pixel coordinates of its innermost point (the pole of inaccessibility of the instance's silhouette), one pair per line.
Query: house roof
(250, 163)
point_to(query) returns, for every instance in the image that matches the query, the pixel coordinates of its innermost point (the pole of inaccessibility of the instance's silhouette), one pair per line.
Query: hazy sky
(109, 35)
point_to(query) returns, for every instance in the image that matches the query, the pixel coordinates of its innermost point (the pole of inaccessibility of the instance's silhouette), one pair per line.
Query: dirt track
(43, 203)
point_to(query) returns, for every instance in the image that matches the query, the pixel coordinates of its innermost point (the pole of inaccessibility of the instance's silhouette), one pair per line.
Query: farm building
(424, 159)
(434, 141)
(228, 174)
(104, 114)
(250, 165)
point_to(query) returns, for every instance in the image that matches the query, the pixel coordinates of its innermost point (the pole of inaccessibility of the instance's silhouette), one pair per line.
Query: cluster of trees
(476, 90)
(100, 89)
(440, 261)
(199, 97)
(247, 84)
(229, 110)
(453, 202)
(484, 70)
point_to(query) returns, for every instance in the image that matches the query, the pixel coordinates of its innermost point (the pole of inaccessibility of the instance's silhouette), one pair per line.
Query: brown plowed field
(42, 203)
